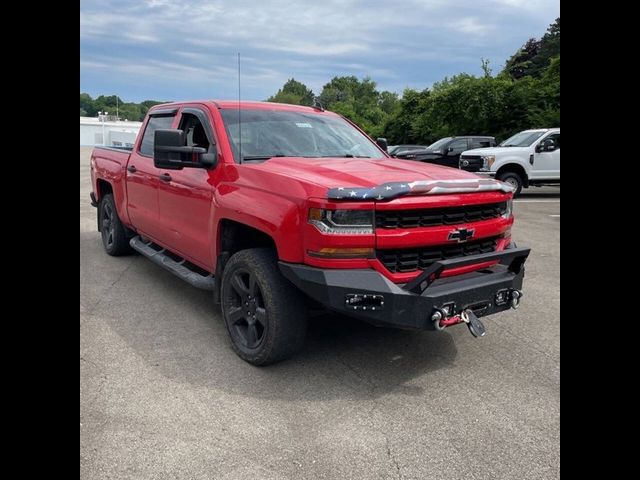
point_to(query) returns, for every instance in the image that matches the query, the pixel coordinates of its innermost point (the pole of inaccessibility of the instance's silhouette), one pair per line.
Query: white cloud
(396, 43)
(470, 25)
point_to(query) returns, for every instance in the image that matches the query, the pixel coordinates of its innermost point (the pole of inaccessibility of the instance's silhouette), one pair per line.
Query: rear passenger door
(142, 177)
(185, 196)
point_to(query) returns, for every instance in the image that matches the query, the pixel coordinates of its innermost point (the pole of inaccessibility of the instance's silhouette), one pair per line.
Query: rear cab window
(482, 143)
(156, 122)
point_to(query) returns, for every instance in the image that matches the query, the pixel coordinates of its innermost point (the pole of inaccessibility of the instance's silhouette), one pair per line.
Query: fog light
(502, 297)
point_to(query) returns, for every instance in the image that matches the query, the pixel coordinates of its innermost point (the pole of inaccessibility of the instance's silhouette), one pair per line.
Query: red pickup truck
(277, 207)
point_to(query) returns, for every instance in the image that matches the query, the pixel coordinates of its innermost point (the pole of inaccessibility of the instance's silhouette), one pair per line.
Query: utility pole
(101, 116)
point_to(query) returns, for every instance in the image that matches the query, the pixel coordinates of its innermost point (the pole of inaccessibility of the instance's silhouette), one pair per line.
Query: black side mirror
(170, 152)
(547, 145)
(382, 143)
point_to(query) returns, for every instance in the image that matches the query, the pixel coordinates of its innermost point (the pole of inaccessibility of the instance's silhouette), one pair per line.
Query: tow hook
(476, 327)
(515, 298)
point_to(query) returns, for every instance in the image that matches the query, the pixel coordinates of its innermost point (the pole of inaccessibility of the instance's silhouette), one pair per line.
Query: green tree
(521, 63)
(126, 110)
(535, 56)
(399, 126)
(293, 92)
(86, 104)
(360, 102)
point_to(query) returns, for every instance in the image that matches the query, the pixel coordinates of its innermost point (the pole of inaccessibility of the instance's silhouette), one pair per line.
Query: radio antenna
(239, 113)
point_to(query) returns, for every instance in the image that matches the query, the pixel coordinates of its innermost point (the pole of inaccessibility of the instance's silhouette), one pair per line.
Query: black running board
(180, 268)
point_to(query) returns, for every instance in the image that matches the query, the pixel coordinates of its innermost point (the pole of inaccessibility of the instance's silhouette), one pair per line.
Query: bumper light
(330, 252)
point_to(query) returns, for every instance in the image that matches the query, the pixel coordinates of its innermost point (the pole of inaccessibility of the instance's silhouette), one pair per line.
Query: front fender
(511, 160)
(277, 215)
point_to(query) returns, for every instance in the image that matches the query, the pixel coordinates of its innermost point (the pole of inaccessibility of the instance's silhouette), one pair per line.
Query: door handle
(132, 169)
(165, 177)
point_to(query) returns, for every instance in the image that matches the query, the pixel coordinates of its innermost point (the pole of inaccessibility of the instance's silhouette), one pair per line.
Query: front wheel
(512, 179)
(265, 315)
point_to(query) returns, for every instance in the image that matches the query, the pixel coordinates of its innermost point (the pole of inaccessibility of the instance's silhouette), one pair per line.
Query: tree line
(525, 94)
(135, 112)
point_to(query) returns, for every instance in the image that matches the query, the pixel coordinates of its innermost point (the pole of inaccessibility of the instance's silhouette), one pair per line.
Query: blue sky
(180, 50)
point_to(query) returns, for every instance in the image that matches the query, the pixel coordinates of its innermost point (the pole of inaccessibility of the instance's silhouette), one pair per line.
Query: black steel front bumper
(370, 296)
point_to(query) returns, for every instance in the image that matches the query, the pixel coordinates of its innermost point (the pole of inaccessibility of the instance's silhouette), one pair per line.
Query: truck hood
(497, 151)
(328, 177)
(360, 172)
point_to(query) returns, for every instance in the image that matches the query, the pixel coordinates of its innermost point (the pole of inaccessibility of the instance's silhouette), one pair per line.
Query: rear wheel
(115, 238)
(264, 313)
(512, 179)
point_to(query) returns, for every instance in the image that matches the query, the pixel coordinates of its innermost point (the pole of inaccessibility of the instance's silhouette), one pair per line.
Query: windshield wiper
(260, 157)
(346, 155)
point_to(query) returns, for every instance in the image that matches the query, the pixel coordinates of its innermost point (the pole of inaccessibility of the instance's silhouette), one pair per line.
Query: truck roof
(534, 129)
(228, 104)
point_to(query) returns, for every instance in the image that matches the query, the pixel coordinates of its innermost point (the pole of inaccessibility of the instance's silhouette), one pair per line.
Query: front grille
(434, 217)
(475, 163)
(402, 260)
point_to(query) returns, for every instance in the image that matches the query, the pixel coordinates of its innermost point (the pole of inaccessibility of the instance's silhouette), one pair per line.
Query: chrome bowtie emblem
(461, 234)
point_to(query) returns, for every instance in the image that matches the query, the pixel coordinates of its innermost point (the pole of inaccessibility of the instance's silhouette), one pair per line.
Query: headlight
(509, 210)
(342, 222)
(487, 161)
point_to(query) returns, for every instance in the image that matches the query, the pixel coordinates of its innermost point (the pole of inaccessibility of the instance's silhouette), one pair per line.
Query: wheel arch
(515, 168)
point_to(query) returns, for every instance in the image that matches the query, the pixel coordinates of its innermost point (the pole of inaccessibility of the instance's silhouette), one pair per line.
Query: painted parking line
(536, 201)
(555, 216)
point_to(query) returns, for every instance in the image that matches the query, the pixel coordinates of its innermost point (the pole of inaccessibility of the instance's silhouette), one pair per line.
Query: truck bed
(108, 166)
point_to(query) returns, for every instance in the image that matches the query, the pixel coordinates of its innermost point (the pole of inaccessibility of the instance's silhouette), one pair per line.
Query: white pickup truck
(531, 157)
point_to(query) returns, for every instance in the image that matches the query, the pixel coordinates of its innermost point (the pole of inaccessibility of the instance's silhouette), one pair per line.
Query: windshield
(522, 139)
(439, 143)
(282, 133)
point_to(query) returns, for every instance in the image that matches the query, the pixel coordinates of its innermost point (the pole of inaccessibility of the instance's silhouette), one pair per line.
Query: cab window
(159, 122)
(194, 131)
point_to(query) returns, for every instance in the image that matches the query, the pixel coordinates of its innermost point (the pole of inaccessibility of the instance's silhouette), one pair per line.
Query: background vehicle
(531, 157)
(393, 149)
(446, 151)
(285, 203)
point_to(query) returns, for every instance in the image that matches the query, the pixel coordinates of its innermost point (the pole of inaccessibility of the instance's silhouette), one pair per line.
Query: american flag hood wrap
(391, 190)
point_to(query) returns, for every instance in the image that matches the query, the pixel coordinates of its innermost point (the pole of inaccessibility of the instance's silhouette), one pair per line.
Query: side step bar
(177, 267)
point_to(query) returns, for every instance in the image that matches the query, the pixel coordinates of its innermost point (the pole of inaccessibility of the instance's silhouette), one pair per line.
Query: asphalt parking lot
(163, 396)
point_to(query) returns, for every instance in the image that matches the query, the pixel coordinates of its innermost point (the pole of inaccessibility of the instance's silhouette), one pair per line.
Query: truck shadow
(180, 335)
(533, 193)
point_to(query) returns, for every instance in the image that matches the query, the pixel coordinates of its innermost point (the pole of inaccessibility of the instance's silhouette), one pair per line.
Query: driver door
(185, 197)
(451, 156)
(546, 165)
